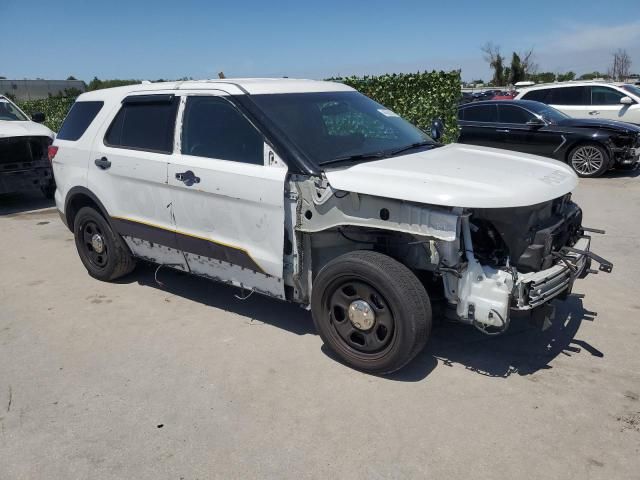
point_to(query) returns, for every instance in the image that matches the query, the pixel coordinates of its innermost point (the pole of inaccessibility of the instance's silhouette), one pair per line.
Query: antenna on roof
(221, 75)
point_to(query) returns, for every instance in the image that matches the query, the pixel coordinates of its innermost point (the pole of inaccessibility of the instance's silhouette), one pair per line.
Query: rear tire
(371, 310)
(589, 160)
(103, 252)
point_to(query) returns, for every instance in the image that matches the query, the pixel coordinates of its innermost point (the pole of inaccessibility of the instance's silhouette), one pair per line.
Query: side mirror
(437, 129)
(38, 117)
(626, 101)
(536, 123)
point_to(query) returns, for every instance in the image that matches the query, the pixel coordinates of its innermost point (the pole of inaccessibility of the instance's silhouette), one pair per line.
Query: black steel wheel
(103, 252)
(371, 311)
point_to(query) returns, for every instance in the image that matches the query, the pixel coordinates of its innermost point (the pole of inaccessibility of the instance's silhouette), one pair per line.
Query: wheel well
(75, 203)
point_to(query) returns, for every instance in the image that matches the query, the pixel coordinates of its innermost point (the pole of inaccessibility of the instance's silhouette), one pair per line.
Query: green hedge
(418, 97)
(54, 109)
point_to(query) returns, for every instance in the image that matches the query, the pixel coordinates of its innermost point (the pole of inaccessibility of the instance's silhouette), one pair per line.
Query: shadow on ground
(523, 350)
(12, 204)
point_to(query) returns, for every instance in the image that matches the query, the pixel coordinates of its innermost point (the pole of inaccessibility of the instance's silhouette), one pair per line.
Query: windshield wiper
(354, 158)
(410, 147)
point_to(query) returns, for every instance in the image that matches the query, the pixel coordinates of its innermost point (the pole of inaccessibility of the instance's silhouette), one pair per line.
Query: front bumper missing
(537, 288)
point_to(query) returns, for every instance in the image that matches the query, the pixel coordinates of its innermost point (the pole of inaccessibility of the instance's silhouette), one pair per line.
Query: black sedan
(590, 146)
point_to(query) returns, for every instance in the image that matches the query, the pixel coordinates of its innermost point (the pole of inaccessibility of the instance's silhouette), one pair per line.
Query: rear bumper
(537, 288)
(21, 180)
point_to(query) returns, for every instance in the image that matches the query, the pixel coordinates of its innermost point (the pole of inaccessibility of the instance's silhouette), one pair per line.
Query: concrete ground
(180, 380)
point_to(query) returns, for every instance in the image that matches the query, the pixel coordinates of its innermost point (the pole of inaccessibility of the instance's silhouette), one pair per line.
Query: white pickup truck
(310, 192)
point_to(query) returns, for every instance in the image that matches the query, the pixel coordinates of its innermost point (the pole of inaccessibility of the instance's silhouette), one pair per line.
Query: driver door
(228, 195)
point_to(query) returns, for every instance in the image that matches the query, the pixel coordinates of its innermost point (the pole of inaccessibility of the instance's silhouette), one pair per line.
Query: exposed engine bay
(488, 261)
(24, 164)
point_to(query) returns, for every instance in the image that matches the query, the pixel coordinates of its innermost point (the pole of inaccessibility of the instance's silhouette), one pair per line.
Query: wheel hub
(361, 315)
(97, 243)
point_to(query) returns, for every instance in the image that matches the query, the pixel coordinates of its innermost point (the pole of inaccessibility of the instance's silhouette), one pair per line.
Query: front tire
(103, 252)
(589, 160)
(371, 310)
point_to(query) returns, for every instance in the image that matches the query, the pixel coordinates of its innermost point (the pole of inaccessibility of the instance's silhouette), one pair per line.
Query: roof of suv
(572, 83)
(234, 86)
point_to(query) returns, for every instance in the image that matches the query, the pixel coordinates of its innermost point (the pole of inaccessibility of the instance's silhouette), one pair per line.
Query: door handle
(594, 112)
(188, 178)
(503, 130)
(102, 163)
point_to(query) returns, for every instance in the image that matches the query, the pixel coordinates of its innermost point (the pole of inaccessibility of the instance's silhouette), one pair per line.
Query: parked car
(505, 95)
(310, 192)
(23, 151)
(590, 146)
(589, 99)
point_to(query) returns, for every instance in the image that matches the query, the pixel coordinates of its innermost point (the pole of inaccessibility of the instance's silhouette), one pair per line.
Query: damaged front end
(519, 259)
(24, 164)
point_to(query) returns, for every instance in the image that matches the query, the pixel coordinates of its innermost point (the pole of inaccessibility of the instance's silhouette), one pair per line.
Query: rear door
(479, 125)
(574, 101)
(227, 188)
(128, 173)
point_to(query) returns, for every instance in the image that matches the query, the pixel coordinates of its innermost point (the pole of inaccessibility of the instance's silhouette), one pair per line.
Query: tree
(496, 62)
(516, 71)
(71, 77)
(543, 77)
(591, 75)
(529, 66)
(621, 65)
(565, 77)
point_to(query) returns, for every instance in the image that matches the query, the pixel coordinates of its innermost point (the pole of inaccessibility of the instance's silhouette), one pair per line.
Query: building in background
(36, 89)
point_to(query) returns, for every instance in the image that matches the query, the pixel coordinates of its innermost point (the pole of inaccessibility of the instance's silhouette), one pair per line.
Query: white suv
(310, 192)
(589, 99)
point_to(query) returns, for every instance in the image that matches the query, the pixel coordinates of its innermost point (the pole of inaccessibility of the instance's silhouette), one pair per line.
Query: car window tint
(536, 95)
(513, 114)
(146, 126)
(78, 120)
(568, 96)
(214, 128)
(481, 113)
(605, 96)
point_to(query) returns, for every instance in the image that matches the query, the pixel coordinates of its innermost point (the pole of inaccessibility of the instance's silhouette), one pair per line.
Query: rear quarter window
(536, 95)
(78, 120)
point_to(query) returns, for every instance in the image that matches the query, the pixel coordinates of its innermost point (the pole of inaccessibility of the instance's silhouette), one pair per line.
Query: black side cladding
(528, 235)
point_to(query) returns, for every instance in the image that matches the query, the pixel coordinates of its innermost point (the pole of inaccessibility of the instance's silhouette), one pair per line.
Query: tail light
(51, 152)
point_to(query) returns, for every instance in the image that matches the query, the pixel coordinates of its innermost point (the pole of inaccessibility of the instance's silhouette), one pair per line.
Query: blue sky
(171, 39)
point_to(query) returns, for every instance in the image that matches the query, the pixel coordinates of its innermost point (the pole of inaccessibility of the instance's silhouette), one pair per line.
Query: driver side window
(213, 127)
(605, 96)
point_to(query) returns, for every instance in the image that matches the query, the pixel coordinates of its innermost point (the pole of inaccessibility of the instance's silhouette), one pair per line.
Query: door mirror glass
(626, 101)
(437, 129)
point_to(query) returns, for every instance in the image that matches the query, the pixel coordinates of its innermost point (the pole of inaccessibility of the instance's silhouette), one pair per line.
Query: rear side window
(536, 95)
(78, 120)
(145, 123)
(214, 128)
(569, 96)
(481, 113)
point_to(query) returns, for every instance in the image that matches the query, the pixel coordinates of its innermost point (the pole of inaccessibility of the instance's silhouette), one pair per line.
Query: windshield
(8, 111)
(632, 89)
(335, 126)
